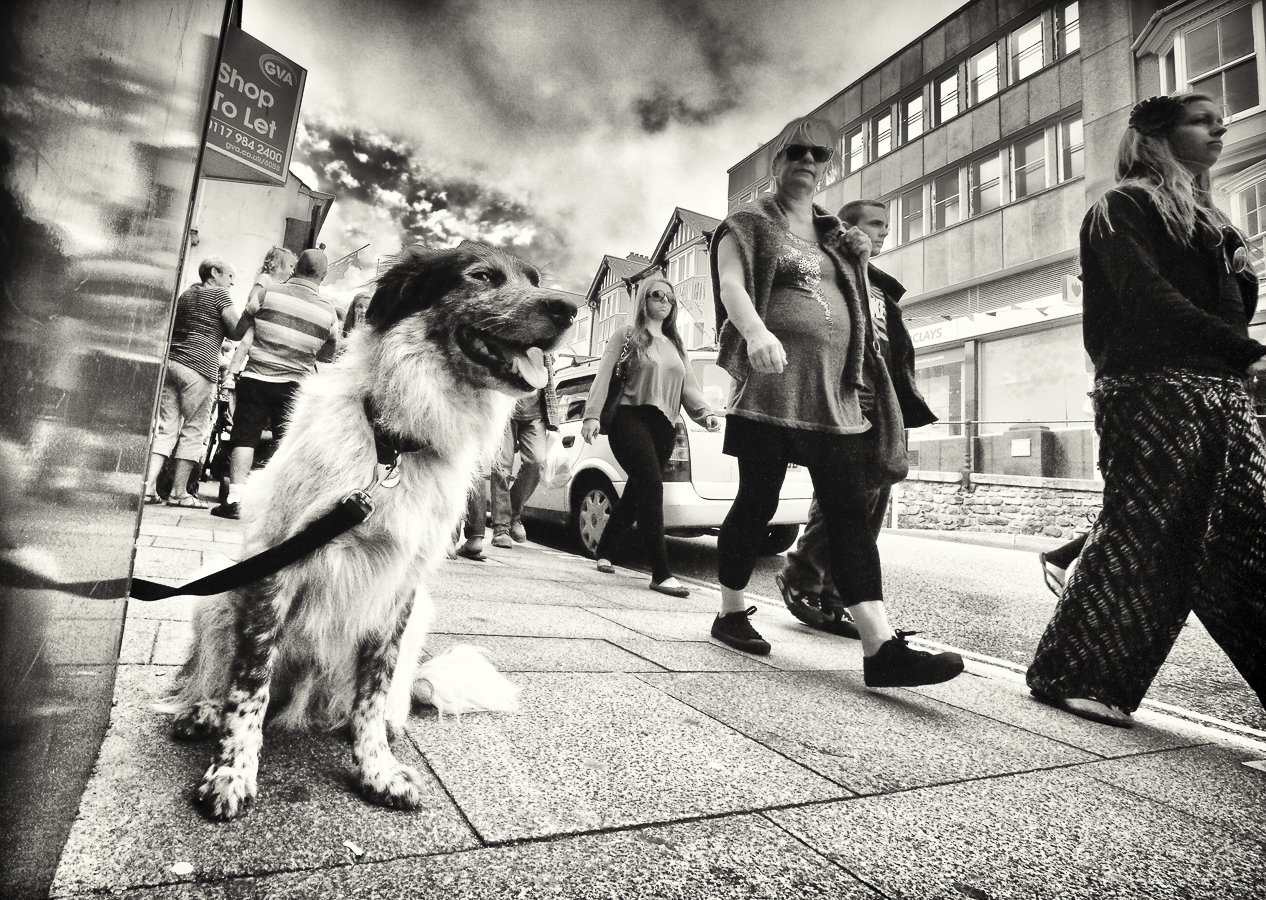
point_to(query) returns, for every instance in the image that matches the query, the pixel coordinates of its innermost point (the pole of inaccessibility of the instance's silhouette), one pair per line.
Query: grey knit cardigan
(759, 227)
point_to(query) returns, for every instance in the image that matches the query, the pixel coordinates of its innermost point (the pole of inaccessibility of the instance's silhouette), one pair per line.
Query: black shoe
(823, 613)
(735, 629)
(227, 511)
(897, 664)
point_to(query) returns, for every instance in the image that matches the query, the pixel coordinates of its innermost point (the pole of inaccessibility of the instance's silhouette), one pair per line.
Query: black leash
(353, 510)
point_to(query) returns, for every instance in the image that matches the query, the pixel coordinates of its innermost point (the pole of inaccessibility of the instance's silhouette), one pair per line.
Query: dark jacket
(915, 412)
(1152, 302)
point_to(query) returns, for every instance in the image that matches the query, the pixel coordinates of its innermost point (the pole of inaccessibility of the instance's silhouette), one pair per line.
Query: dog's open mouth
(520, 366)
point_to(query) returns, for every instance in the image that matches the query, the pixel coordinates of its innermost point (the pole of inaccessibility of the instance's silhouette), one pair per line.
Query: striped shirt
(199, 329)
(295, 327)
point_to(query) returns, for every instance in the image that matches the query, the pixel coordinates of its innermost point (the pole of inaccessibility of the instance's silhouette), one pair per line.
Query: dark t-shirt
(199, 329)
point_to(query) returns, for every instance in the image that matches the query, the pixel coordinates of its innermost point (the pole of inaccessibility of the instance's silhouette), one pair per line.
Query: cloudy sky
(562, 129)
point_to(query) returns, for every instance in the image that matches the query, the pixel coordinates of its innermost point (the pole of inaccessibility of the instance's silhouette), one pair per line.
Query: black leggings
(843, 493)
(641, 441)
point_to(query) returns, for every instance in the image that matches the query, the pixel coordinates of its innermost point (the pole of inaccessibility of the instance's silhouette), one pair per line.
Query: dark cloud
(428, 206)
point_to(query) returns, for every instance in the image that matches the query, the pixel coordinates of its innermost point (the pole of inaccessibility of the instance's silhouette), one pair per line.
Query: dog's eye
(480, 276)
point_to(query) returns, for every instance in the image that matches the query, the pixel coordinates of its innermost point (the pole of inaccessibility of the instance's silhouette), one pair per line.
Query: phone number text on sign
(245, 145)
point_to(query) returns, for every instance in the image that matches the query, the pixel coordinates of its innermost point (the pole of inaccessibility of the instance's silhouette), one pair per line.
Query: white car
(699, 481)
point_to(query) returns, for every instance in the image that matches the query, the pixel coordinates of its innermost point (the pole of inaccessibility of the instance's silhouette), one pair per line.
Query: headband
(1155, 115)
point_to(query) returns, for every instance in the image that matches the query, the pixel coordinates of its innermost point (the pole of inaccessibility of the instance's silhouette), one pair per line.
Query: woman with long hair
(1168, 294)
(810, 388)
(658, 381)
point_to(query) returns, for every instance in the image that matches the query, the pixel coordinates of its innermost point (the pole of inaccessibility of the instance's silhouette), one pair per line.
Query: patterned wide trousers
(1183, 529)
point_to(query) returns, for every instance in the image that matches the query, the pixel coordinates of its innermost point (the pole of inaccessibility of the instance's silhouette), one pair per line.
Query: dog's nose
(561, 310)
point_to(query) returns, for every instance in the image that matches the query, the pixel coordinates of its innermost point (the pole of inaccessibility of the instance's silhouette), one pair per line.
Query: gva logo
(276, 70)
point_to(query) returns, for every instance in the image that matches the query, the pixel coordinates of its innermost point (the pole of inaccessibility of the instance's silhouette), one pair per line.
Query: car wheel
(780, 538)
(594, 500)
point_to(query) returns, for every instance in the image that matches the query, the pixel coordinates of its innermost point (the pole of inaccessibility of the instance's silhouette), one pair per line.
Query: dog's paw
(225, 791)
(397, 786)
(199, 723)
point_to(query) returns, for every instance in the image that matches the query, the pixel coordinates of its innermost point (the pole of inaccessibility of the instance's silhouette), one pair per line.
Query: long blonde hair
(274, 259)
(1146, 161)
(640, 338)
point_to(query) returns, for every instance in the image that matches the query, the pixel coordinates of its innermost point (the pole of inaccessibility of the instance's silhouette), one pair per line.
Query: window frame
(1015, 53)
(921, 216)
(973, 100)
(1064, 148)
(1176, 47)
(974, 189)
(1039, 137)
(936, 202)
(904, 107)
(938, 84)
(860, 133)
(1063, 26)
(876, 134)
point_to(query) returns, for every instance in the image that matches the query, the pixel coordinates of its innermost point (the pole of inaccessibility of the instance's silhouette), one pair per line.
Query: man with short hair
(534, 416)
(204, 315)
(805, 581)
(294, 329)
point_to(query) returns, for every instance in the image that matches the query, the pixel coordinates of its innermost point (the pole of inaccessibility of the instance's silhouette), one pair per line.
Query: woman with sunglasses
(796, 336)
(658, 382)
(1167, 298)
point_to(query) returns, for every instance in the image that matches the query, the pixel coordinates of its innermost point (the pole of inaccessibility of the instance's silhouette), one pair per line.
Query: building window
(912, 117)
(881, 127)
(912, 215)
(1253, 202)
(946, 209)
(1221, 60)
(1039, 378)
(855, 147)
(982, 75)
(1068, 29)
(1169, 70)
(986, 184)
(1072, 162)
(947, 97)
(939, 378)
(1029, 160)
(1028, 50)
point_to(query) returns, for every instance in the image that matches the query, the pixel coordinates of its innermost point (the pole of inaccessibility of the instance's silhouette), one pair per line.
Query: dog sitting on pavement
(451, 338)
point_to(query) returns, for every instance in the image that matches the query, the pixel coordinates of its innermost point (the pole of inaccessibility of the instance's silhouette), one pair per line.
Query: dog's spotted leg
(383, 779)
(229, 785)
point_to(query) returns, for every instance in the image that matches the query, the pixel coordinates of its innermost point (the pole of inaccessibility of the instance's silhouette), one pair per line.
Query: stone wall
(1002, 504)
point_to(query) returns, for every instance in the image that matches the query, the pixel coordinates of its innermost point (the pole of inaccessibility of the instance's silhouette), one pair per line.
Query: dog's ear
(414, 281)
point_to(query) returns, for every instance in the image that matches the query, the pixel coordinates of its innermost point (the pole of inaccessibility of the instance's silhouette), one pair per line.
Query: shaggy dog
(450, 339)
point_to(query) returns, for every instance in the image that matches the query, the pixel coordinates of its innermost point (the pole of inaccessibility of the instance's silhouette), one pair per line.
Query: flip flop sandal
(678, 591)
(476, 555)
(153, 499)
(1054, 582)
(605, 567)
(188, 501)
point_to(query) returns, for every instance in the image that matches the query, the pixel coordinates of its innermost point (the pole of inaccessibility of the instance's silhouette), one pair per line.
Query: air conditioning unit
(1070, 288)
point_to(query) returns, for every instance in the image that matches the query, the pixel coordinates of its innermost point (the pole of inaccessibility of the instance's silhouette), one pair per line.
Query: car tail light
(678, 468)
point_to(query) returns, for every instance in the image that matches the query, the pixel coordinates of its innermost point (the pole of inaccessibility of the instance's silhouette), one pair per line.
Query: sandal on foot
(672, 590)
(153, 499)
(472, 554)
(1091, 710)
(604, 566)
(188, 501)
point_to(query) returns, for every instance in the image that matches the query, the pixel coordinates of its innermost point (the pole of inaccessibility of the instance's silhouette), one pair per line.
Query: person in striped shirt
(293, 328)
(204, 315)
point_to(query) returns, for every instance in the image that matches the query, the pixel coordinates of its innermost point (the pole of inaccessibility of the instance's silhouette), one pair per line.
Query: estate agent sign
(254, 111)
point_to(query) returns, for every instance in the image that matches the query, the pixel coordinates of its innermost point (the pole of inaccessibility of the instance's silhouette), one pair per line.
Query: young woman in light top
(658, 382)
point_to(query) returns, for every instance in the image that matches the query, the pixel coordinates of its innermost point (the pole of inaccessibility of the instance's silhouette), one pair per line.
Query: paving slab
(137, 818)
(162, 562)
(1004, 697)
(692, 656)
(138, 641)
(536, 654)
(175, 530)
(601, 751)
(867, 741)
(455, 590)
(1210, 783)
(475, 616)
(1058, 834)
(743, 856)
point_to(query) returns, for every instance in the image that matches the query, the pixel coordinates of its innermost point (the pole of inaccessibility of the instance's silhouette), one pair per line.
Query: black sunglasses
(657, 294)
(797, 151)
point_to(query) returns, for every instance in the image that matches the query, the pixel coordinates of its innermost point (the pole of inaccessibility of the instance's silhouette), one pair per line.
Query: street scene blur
(643, 450)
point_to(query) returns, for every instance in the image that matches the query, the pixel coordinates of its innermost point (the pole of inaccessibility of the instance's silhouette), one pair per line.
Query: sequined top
(808, 313)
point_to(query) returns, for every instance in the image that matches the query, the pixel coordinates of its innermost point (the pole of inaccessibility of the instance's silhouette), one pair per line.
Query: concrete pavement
(650, 761)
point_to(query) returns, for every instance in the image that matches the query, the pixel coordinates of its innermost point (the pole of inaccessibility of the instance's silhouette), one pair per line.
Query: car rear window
(572, 396)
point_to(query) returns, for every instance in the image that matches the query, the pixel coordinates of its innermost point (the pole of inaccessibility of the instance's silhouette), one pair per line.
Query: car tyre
(593, 502)
(779, 538)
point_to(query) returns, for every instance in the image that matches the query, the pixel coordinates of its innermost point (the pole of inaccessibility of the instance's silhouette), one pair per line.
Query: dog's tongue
(530, 366)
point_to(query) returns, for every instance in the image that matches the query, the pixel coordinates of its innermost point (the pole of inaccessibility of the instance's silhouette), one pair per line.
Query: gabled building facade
(681, 255)
(610, 297)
